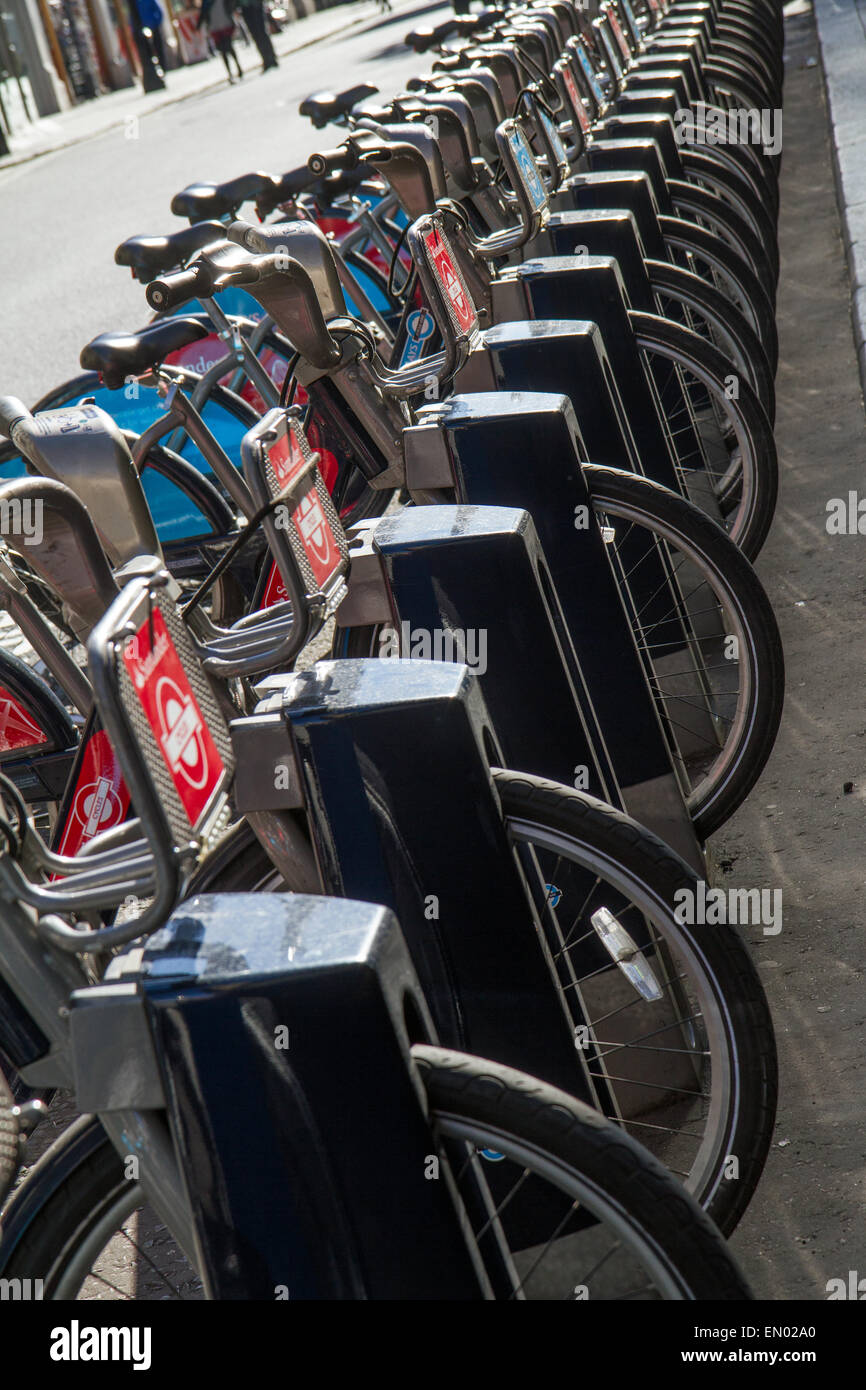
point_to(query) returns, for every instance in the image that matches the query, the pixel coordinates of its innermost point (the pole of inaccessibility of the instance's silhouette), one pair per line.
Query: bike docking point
(521, 449)
(620, 415)
(609, 233)
(609, 194)
(394, 760)
(282, 1026)
(472, 584)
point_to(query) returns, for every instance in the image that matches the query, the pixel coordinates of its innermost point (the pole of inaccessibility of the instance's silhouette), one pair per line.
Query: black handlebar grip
(172, 290)
(332, 161)
(11, 411)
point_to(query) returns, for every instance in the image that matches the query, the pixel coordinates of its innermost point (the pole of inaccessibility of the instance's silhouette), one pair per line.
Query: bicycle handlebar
(11, 411)
(282, 189)
(205, 278)
(332, 161)
(277, 281)
(170, 291)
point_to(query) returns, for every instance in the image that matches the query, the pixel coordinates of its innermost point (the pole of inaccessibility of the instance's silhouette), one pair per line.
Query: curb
(841, 28)
(14, 161)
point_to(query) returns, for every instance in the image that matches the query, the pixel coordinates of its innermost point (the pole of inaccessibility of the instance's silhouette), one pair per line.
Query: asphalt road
(65, 213)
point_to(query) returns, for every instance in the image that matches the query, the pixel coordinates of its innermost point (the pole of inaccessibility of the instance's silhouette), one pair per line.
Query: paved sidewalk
(842, 33)
(801, 829)
(93, 118)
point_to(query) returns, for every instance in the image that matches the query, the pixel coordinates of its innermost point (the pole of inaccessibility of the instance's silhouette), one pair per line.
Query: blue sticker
(528, 169)
(612, 55)
(553, 894)
(420, 325)
(492, 1155)
(630, 16)
(555, 139)
(591, 78)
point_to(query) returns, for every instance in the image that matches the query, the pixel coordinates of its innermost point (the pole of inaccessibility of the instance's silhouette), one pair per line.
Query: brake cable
(243, 538)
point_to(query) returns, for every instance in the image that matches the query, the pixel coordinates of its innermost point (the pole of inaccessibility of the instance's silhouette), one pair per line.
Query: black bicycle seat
(117, 356)
(425, 38)
(151, 255)
(199, 201)
(323, 107)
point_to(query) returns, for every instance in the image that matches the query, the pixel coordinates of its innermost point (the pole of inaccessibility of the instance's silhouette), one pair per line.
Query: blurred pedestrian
(256, 20)
(216, 14)
(151, 16)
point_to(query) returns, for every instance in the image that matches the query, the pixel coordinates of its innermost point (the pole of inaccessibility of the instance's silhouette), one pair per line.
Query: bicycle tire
(701, 245)
(612, 1173)
(758, 469)
(707, 171)
(720, 315)
(642, 868)
(473, 1104)
(692, 202)
(619, 494)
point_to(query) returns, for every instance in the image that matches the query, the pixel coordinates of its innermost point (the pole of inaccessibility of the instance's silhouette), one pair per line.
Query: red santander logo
(174, 716)
(450, 281)
(101, 797)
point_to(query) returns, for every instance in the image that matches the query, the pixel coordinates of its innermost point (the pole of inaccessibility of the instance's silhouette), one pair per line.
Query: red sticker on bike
(618, 35)
(576, 100)
(317, 538)
(313, 528)
(17, 728)
(275, 589)
(101, 797)
(286, 458)
(456, 292)
(171, 710)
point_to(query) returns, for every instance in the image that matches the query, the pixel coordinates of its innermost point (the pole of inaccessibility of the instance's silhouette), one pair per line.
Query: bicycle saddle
(203, 200)
(151, 255)
(323, 107)
(119, 355)
(426, 38)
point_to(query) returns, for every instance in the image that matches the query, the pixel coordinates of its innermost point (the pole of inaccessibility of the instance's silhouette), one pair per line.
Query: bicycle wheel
(724, 443)
(681, 1047)
(611, 1212)
(705, 628)
(694, 1074)
(715, 178)
(78, 1224)
(731, 663)
(560, 1205)
(711, 314)
(704, 208)
(707, 255)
